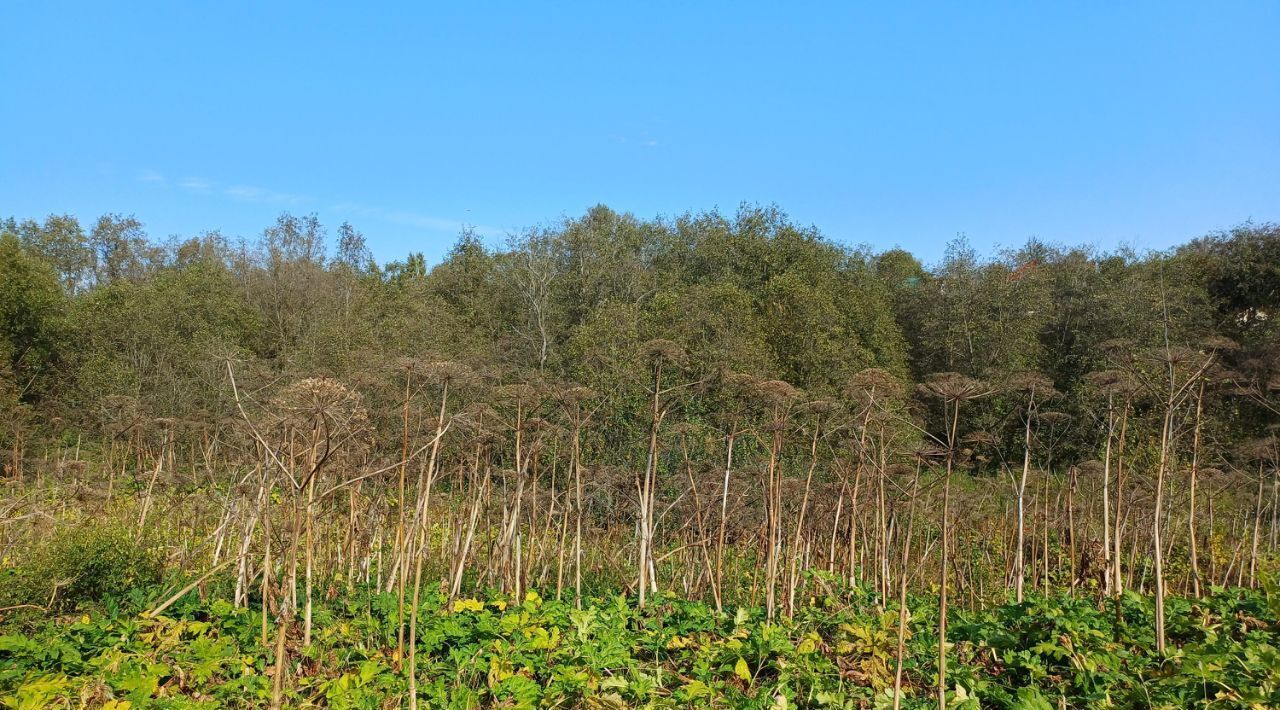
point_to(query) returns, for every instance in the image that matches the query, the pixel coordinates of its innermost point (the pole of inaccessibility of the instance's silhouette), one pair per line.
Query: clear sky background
(889, 124)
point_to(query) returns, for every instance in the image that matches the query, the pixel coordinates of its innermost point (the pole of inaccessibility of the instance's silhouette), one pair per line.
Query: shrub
(83, 562)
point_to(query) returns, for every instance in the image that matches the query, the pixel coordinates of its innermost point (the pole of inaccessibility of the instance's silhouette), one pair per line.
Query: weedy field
(137, 646)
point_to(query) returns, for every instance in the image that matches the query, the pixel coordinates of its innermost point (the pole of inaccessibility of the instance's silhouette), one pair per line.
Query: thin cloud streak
(195, 184)
(246, 193)
(265, 196)
(415, 219)
(242, 193)
(643, 140)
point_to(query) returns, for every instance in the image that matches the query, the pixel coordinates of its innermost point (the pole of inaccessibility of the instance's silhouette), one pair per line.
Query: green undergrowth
(492, 651)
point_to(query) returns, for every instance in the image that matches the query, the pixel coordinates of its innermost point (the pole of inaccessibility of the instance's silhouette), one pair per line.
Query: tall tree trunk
(1107, 579)
(724, 516)
(1157, 539)
(903, 575)
(1019, 563)
(946, 538)
(1192, 533)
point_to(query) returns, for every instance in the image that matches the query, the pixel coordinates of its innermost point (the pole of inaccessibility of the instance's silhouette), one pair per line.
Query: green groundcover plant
(494, 651)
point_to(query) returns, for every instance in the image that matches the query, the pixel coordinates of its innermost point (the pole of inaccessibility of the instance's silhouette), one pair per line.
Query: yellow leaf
(741, 670)
(499, 670)
(467, 605)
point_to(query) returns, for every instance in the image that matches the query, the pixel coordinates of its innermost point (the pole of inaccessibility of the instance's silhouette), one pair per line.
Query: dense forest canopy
(103, 319)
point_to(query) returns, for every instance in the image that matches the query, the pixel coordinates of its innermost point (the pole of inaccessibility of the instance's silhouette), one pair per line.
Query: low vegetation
(839, 650)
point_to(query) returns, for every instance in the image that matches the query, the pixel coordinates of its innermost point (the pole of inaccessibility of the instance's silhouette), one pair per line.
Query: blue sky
(1143, 123)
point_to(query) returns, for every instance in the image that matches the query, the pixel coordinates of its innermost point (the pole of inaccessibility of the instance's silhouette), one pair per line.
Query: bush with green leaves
(82, 562)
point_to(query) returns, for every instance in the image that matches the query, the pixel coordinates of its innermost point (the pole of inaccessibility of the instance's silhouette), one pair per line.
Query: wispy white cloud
(413, 219)
(248, 193)
(262, 195)
(243, 193)
(353, 208)
(416, 219)
(642, 140)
